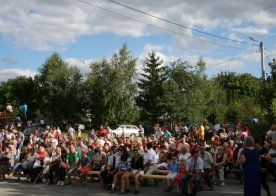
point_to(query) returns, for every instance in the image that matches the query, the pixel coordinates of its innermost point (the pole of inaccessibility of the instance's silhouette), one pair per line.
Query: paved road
(12, 188)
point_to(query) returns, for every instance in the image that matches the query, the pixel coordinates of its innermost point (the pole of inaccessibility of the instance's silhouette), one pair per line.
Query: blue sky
(31, 30)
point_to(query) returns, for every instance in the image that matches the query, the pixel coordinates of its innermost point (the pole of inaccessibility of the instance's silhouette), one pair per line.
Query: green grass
(84, 134)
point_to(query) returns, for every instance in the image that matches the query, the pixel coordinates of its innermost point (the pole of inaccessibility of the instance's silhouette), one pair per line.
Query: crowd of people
(190, 154)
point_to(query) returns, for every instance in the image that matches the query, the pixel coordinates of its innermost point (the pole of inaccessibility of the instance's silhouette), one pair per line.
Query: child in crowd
(181, 172)
(173, 167)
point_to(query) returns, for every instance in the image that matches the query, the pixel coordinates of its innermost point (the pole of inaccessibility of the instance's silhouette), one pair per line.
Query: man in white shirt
(194, 167)
(207, 166)
(141, 131)
(113, 161)
(217, 127)
(71, 131)
(152, 160)
(272, 132)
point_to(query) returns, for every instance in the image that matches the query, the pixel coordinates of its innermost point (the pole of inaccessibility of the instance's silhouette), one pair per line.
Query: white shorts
(171, 175)
(164, 165)
(135, 171)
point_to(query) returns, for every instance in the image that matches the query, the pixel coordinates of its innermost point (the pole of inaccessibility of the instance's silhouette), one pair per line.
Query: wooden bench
(237, 172)
(163, 172)
(96, 173)
(154, 177)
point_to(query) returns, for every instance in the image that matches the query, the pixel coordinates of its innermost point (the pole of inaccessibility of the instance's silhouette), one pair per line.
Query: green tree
(243, 95)
(197, 102)
(59, 90)
(113, 89)
(175, 88)
(18, 91)
(268, 93)
(151, 88)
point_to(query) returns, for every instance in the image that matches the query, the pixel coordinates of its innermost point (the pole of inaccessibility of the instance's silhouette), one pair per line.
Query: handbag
(37, 164)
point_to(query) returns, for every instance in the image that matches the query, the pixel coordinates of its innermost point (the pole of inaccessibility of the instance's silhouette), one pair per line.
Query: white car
(125, 130)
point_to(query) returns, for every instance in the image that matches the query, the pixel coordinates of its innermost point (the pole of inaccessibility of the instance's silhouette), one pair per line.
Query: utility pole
(261, 45)
(262, 60)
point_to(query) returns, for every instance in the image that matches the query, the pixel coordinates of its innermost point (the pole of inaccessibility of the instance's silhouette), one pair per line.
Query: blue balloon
(254, 120)
(24, 108)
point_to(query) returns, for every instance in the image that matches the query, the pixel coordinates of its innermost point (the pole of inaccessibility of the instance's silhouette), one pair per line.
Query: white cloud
(46, 25)
(251, 30)
(6, 74)
(82, 64)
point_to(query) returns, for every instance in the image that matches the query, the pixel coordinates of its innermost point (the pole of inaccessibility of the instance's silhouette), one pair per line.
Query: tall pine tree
(151, 88)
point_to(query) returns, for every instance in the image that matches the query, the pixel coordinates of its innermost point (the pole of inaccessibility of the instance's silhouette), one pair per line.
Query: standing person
(271, 134)
(265, 157)
(141, 131)
(249, 159)
(71, 131)
(102, 131)
(194, 168)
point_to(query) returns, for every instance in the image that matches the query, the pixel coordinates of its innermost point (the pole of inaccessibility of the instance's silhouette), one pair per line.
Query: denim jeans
(185, 181)
(206, 176)
(61, 174)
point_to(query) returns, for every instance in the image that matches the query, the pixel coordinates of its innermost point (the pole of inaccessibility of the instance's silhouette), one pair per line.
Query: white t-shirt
(31, 158)
(271, 134)
(273, 159)
(217, 127)
(152, 156)
(184, 157)
(197, 163)
(71, 132)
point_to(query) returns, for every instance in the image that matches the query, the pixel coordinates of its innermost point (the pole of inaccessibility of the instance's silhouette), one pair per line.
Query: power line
(161, 28)
(267, 57)
(180, 25)
(234, 58)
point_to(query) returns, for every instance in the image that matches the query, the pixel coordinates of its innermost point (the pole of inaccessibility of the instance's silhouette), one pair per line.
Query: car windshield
(115, 127)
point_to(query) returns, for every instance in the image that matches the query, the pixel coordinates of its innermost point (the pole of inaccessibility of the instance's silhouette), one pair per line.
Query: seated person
(6, 162)
(72, 162)
(37, 166)
(54, 164)
(194, 168)
(62, 167)
(163, 162)
(123, 167)
(84, 167)
(173, 167)
(137, 170)
(22, 163)
(98, 159)
(181, 172)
